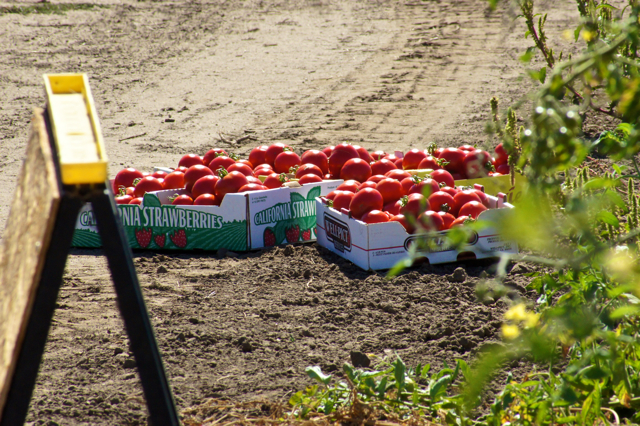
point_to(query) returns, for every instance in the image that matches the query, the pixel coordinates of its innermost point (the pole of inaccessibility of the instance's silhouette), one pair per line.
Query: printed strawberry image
(306, 235)
(179, 238)
(160, 240)
(292, 234)
(269, 238)
(143, 236)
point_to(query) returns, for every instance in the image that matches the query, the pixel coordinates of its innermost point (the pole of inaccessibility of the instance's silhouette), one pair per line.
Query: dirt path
(175, 77)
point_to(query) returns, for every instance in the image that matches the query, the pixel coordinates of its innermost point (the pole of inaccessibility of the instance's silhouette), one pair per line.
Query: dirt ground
(171, 78)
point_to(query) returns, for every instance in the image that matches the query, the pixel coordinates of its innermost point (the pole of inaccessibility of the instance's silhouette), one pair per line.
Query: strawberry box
(243, 221)
(382, 245)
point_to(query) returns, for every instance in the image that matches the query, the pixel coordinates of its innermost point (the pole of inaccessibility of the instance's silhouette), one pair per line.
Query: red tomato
(194, 173)
(375, 216)
(467, 148)
(436, 153)
(412, 159)
(137, 200)
(381, 167)
(247, 162)
(365, 200)
(443, 176)
(130, 190)
(483, 197)
(472, 209)
(159, 174)
(257, 156)
(429, 162)
(349, 185)
(182, 200)
(189, 160)
(328, 150)
(440, 201)
(147, 184)
(477, 164)
(377, 155)
(448, 219)
(205, 185)
(414, 205)
(205, 200)
(309, 178)
(460, 221)
(403, 221)
(273, 151)
(393, 207)
(253, 179)
(397, 174)
(275, 180)
(425, 187)
(407, 183)
(319, 158)
(332, 195)
(398, 163)
(363, 153)
(461, 198)
(342, 200)
(123, 199)
(356, 169)
(174, 180)
(503, 169)
(390, 189)
(252, 187)
(285, 161)
(392, 157)
(451, 190)
(367, 184)
(339, 156)
(221, 162)
(455, 157)
(240, 167)
(125, 178)
(376, 178)
(501, 154)
(309, 168)
(230, 183)
(263, 171)
(431, 221)
(213, 153)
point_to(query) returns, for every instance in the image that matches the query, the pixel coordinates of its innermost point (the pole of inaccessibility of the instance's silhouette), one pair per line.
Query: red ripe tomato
(230, 183)
(221, 162)
(403, 221)
(398, 163)
(130, 190)
(319, 158)
(125, 178)
(181, 169)
(367, 184)
(412, 159)
(425, 187)
(240, 167)
(340, 155)
(460, 221)
(182, 200)
(263, 171)
(414, 205)
(375, 216)
(356, 169)
(392, 157)
(440, 201)
(123, 199)
(273, 151)
(328, 150)
(376, 178)
(332, 195)
(349, 185)
(365, 200)
(462, 198)
(309, 168)
(472, 209)
(257, 156)
(393, 207)
(147, 184)
(455, 157)
(436, 152)
(309, 178)
(431, 221)
(448, 219)
(443, 176)
(205, 200)
(247, 162)
(429, 162)
(477, 164)
(407, 183)
(483, 197)
(467, 148)
(189, 160)
(213, 153)
(159, 174)
(342, 200)
(194, 173)
(381, 167)
(252, 187)
(253, 179)
(137, 200)
(174, 180)
(501, 154)
(503, 169)
(363, 153)
(450, 190)
(205, 185)
(397, 174)
(377, 155)
(285, 161)
(275, 180)
(390, 189)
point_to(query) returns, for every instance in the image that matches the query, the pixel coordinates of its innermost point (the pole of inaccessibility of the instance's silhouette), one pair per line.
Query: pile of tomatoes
(207, 179)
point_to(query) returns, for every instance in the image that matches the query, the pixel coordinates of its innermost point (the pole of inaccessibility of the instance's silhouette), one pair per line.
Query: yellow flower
(516, 313)
(510, 332)
(589, 35)
(532, 320)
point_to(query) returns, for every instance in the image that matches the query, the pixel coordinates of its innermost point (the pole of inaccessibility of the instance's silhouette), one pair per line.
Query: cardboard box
(243, 221)
(382, 245)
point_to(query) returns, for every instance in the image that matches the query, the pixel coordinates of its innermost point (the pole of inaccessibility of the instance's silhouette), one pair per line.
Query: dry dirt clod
(359, 359)
(458, 276)
(161, 270)
(519, 268)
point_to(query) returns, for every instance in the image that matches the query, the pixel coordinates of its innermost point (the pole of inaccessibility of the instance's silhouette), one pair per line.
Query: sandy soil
(171, 78)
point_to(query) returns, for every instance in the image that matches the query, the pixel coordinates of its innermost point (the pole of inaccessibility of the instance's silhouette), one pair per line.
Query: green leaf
(617, 169)
(348, 370)
(399, 371)
(576, 33)
(608, 218)
(151, 200)
(439, 386)
(313, 193)
(623, 311)
(543, 74)
(528, 55)
(382, 388)
(316, 373)
(296, 399)
(399, 267)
